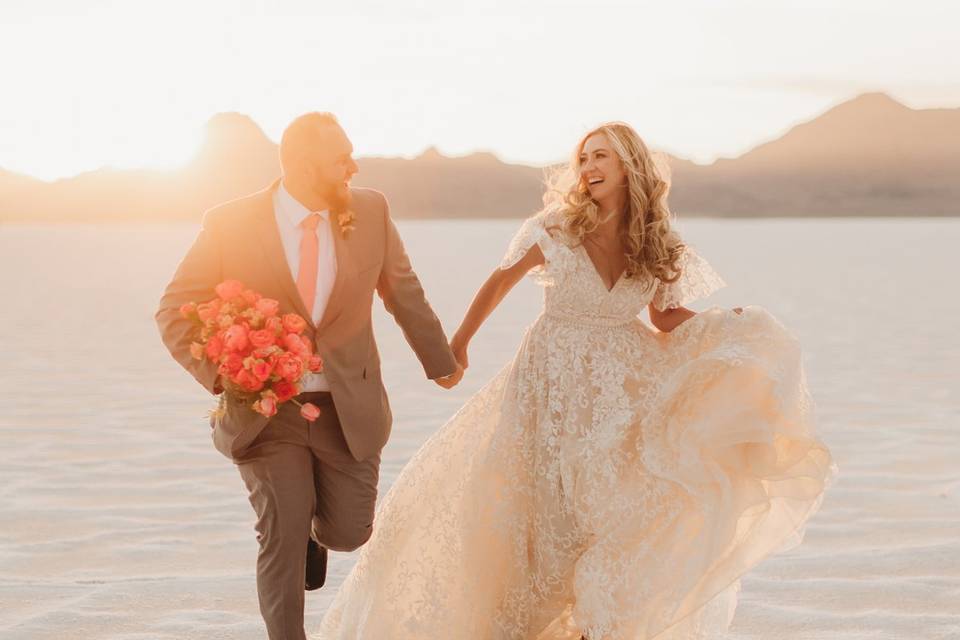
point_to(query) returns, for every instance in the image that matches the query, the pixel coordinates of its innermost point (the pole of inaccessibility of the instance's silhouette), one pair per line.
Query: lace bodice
(576, 292)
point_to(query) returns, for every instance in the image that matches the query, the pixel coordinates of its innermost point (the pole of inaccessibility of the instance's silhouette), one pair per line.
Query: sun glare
(121, 148)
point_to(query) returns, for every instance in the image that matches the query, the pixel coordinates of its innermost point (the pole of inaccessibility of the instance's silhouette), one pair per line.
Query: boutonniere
(345, 220)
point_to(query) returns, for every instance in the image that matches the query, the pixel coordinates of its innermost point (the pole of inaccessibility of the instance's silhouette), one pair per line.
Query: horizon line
(433, 147)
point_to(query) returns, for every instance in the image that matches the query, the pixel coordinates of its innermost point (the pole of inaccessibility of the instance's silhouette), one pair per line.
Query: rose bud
(266, 406)
(310, 412)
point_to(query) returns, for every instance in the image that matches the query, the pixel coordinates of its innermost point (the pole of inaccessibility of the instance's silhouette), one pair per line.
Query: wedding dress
(611, 480)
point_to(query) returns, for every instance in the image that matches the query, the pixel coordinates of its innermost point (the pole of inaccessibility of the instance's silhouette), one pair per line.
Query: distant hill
(867, 156)
(433, 185)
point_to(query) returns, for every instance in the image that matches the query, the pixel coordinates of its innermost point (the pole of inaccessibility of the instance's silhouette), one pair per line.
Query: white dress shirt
(289, 213)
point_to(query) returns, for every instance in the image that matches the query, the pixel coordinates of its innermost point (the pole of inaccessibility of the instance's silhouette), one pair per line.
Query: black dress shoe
(316, 565)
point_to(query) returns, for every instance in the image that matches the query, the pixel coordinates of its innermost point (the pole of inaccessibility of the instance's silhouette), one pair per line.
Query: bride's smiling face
(601, 170)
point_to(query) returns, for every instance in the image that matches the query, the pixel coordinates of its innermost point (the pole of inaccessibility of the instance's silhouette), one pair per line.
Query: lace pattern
(697, 280)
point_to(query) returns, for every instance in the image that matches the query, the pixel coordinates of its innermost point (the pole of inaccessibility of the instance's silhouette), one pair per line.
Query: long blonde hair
(652, 250)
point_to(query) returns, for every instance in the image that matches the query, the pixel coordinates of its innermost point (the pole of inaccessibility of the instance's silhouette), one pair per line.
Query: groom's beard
(337, 196)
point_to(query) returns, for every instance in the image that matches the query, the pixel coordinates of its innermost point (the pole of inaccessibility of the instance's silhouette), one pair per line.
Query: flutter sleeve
(534, 230)
(697, 280)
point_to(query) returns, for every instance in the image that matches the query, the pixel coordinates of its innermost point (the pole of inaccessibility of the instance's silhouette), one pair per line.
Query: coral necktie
(309, 259)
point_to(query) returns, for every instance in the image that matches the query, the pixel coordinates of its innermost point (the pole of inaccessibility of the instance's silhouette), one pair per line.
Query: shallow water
(118, 519)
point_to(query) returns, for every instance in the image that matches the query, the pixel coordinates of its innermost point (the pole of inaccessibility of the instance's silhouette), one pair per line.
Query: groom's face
(332, 166)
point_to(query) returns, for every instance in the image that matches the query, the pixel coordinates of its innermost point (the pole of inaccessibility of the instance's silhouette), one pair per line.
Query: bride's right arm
(497, 286)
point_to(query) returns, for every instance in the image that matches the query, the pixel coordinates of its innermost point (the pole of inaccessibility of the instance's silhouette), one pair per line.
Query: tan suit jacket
(240, 240)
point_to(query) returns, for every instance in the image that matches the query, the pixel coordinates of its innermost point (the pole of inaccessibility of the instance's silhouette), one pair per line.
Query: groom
(321, 248)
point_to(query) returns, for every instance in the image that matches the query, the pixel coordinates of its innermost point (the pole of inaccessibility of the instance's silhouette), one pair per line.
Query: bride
(612, 481)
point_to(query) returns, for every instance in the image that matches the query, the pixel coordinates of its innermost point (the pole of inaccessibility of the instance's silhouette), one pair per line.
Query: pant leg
(278, 472)
(346, 489)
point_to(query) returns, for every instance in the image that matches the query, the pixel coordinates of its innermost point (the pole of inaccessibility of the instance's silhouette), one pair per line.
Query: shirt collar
(291, 209)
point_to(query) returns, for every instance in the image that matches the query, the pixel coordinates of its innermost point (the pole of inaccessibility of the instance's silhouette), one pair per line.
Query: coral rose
(231, 364)
(247, 381)
(214, 348)
(274, 325)
(261, 370)
(229, 289)
(310, 411)
(289, 367)
(262, 338)
(268, 307)
(294, 323)
(235, 338)
(285, 390)
(296, 344)
(315, 364)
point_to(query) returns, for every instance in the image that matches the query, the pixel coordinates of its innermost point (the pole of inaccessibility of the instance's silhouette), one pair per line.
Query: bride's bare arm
(669, 319)
(488, 297)
(672, 318)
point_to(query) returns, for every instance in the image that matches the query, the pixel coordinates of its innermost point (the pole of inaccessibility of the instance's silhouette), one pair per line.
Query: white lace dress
(610, 481)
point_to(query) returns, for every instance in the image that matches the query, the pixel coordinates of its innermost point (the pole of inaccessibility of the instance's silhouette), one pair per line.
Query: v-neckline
(596, 272)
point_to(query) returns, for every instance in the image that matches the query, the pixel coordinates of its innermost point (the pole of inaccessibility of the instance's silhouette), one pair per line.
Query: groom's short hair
(301, 134)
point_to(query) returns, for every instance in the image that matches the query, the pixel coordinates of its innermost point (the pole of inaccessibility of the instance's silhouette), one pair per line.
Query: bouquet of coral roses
(261, 355)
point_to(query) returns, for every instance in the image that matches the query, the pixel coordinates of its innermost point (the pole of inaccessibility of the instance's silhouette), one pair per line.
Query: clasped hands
(460, 353)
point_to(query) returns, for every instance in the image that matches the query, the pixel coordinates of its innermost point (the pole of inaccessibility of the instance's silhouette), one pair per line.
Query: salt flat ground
(118, 519)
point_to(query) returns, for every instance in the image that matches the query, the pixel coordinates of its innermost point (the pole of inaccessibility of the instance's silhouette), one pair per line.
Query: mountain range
(869, 156)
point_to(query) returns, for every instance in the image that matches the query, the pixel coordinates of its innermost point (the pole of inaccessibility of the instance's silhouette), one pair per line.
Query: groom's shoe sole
(316, 566)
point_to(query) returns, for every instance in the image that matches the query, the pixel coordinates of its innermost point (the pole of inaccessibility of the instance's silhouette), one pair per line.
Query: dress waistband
(588, 321)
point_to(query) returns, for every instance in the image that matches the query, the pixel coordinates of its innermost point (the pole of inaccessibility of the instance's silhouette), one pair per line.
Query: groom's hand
(450, 381)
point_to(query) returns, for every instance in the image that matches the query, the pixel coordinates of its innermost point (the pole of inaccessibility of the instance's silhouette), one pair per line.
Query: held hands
(459, 348)
(452, 380)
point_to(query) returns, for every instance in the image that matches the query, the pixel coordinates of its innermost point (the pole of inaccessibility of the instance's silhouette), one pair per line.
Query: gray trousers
(303, 481)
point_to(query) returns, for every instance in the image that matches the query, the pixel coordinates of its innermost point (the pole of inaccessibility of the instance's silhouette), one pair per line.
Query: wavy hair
(652, 249)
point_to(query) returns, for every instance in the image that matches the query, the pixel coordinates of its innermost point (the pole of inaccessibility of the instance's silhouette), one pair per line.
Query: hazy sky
(132, 83)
